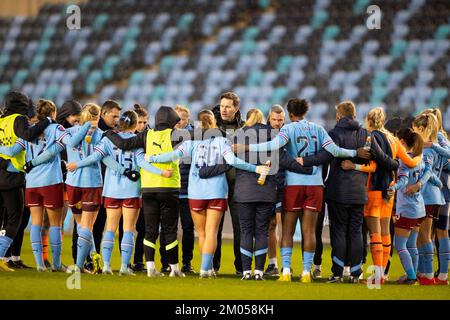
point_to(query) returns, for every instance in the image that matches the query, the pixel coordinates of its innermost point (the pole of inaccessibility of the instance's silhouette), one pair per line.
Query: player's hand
(411, 189)
(239, 148)
(363, 153)
(167, 173)
(72, 166)
(348, 165)
(299, 160)
(27, 167)
(264, 170)
(132, 175)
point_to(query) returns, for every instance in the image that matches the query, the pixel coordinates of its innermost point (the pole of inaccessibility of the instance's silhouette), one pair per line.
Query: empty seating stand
(188, 52)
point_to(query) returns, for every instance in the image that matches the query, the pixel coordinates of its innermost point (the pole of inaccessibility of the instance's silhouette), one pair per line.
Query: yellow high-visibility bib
(160, 142)
(8, 137)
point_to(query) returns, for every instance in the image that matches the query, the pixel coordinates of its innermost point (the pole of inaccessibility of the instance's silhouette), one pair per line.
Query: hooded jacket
(347, 186)
(69, 108)
(18, 103)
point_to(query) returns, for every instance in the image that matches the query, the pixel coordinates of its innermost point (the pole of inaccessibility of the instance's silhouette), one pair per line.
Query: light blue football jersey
(45, 174)
(409, 206)
(303, 138)
(116, 185)
(207, 152)
(89, 176)
(431, 193)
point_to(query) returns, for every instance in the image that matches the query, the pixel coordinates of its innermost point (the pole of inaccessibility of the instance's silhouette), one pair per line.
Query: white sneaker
(176, 274)
(73, 269)
(107, 270)
(346, 272)
(153, 273)
(127, 272)
(316, 274)
(212, 274)
(62, 268)
(42, 269)
(204, 274)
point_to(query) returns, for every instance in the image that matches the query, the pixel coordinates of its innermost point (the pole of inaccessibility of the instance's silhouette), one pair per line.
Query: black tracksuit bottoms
(346, 224)
(16, 247)
(161, 209)
(254, 220)
(13, 204)
(188, 238)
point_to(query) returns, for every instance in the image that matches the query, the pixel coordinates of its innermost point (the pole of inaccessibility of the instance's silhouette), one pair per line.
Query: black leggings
(16, 246)
(319, 242)
(99, 227)
(161, 208)
(187, 242)
(13, 203)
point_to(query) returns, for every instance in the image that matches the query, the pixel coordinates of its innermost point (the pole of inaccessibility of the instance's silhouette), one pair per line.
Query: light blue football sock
(84, 243)
(36, 244)
(308, 258)
(411, 245)
(5, 243)
(127, 247)
(56, 244)
(428, 258)
(444, 255)
(207, 260)
(286, 254)
(107, 247)
(405, 257)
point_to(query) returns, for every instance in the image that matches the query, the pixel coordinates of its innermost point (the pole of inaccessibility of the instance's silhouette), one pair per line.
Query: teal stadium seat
(331, 32)
(437, 97)
(319, 18)
(284, 64)
(442, 32)
(185, 21)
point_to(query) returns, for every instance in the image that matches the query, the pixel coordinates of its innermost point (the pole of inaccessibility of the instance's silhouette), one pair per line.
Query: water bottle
(88, 137)
(262, 177)
(368, 144)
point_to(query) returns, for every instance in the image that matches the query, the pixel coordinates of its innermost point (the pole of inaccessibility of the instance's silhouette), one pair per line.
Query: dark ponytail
(412, 140)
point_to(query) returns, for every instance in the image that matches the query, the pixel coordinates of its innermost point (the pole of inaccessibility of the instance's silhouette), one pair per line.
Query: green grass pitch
(32, 285)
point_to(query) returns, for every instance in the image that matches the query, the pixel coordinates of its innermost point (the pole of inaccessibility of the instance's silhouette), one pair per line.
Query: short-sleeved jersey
(445, 176)
(116, 185)
(207, 152)
(48, 173)
(86, 177)
(431, 193)
(305, 139)
(410, 206)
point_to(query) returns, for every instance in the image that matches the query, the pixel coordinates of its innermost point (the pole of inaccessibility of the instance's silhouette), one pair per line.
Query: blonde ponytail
(89, 112)
(206, 117)
(254, 116)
